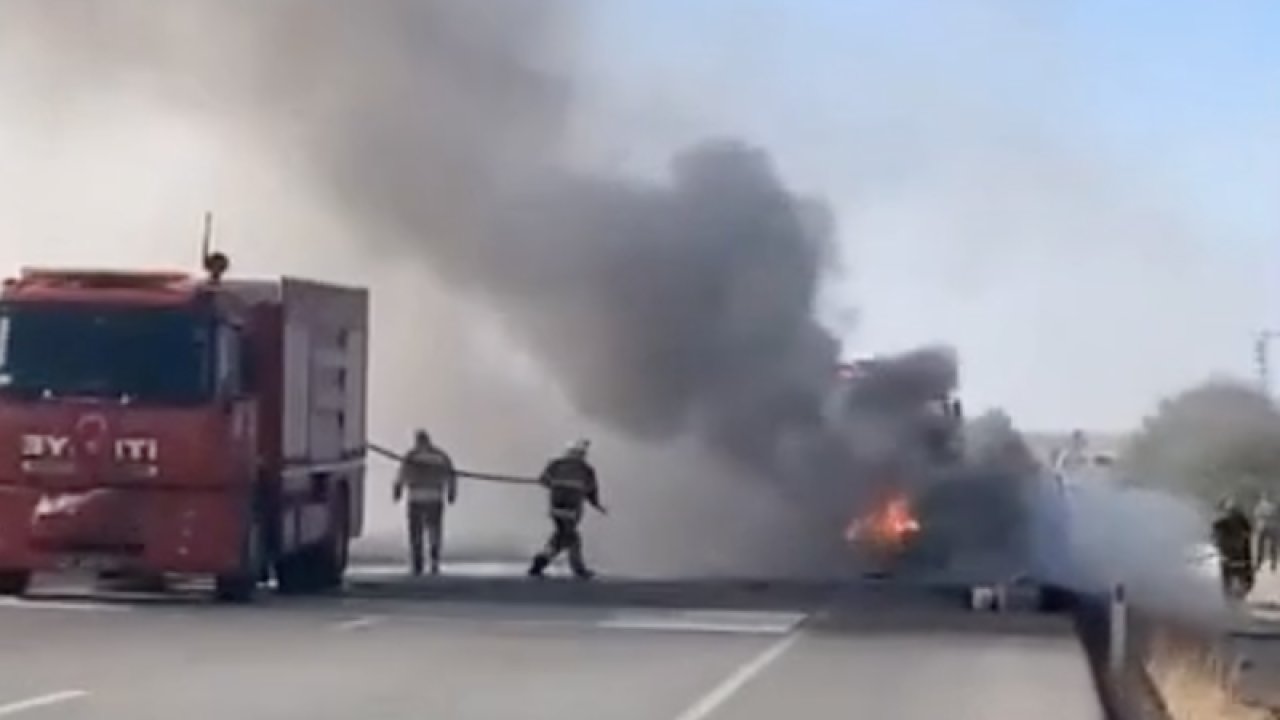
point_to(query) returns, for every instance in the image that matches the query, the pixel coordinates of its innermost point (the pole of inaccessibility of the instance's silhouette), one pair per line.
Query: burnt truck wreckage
(946, 496)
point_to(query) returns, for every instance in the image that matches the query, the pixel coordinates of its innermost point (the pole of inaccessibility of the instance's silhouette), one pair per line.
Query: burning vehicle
(946, 492)
(891, 524)
(905, 426)
(883, 534)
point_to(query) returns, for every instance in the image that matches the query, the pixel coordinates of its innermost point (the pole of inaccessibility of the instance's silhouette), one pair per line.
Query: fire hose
(470, 474)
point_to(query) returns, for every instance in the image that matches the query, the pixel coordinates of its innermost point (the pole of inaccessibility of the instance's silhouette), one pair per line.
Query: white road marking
(38, 604)
(720, 694)
(378, 571)
(364, 613)
(40, 701)
(660, 625)
(359, 623)
(708, 621)
(1266, 614)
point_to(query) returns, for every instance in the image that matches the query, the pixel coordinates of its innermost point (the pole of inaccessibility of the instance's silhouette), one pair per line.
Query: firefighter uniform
(428, 478)
(1233, 538)
(571, 483)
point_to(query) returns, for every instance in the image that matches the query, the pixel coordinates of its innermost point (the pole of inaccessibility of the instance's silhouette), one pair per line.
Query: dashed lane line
(63, 605)
(705, 621)
(360, 623)
(53, 698)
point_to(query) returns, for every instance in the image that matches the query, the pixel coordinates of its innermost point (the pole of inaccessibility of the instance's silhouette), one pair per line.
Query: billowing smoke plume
(1214, 441)
(674, 304)
(1145, 521)
(982, 519)
(442, 130)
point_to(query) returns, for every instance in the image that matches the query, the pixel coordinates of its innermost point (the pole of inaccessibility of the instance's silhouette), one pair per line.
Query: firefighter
(1233, 538)
(428, 476)
(571, 482)
(1267, 526)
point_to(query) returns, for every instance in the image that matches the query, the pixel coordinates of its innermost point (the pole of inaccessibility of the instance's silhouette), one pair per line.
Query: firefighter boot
(416, 560)
(578, 564)
(415, 541)
(539, 566)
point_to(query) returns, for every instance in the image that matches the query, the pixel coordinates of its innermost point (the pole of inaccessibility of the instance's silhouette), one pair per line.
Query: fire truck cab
(165, 424)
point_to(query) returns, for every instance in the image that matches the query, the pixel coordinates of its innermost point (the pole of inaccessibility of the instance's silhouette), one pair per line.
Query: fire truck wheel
(14, 582)
(242, 585)
(292, 574)
(331, 557)
(321, 566)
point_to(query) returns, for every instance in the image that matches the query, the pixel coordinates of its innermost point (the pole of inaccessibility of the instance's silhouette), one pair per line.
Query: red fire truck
(159, 424)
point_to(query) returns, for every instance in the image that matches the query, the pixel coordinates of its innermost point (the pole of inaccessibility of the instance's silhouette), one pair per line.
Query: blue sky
(1083, 196)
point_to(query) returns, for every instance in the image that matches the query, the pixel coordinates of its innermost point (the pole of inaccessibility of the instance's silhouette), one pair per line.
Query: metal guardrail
(1123, 692)
(1121, 641)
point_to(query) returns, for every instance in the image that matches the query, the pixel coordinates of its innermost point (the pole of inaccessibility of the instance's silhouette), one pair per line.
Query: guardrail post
(1118, 629)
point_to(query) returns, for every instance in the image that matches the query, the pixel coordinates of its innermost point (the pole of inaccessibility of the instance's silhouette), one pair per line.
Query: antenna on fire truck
(215, 263)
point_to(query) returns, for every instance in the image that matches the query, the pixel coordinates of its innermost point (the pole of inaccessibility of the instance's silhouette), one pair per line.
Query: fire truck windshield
(146, 355)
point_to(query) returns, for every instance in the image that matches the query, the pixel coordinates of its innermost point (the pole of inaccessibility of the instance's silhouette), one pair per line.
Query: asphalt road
(66, 657)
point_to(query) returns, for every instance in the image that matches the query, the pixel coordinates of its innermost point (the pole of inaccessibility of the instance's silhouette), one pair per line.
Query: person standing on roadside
(428, 477)
(1233, 539)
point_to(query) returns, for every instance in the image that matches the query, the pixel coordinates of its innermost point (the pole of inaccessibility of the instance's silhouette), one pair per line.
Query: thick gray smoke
(443, 131)
(669, 304)
(980, 519)
(1150, 525)
(1145, 522)
(1150, 540)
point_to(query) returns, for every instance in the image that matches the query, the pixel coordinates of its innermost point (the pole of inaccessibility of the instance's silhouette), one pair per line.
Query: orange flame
(891, 523)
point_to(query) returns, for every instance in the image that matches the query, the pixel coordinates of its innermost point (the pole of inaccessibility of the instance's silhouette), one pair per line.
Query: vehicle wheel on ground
(242, 585)
(294, 574)
(332, 555)
(319, 567)
(14, 582)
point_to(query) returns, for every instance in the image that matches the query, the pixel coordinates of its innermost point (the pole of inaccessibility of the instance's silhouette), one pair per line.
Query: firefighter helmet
(579, 449)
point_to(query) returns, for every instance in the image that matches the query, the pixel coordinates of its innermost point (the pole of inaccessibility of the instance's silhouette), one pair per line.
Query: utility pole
(1262, 357)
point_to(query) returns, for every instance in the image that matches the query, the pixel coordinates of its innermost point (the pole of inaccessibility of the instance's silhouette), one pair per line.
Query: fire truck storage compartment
(324, 386)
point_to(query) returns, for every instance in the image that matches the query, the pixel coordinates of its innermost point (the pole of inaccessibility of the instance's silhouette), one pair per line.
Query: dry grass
(1196, 688)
